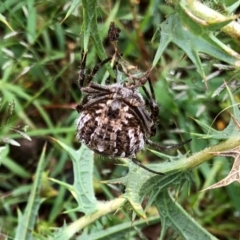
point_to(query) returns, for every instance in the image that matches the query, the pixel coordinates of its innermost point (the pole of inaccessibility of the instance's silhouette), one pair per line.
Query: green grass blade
(31, 21)
(27, 221)
(15, 167)
(3, 152)
(74, 4)
(3, 19)
(90, 29)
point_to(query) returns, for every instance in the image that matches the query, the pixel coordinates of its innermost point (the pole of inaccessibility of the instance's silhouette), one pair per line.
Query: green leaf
(192, 42)
(27, 221)
(232, 8)
(89, 18)
(82, 189)
(3, 153)
(31, 21)
(10, 141)
(3, 19)
(174, 216)
(90, 29)
(139, 182)
(74, 4)
(14, 167)
(22, 134)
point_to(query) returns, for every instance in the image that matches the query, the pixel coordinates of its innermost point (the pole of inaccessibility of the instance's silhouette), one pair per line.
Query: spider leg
(152, 104)
(134, 160)
(82, 70)
(91, 103)
(138, 81)
(96, 68)
(167, 147)
(154, 108)
(95, 88)
(140, 114)
(154, 115)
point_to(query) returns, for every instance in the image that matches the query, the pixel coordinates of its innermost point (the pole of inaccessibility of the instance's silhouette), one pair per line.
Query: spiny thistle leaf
(82, 189)
(174, 216)
(139, 183)
(233, 175)
(175, 30)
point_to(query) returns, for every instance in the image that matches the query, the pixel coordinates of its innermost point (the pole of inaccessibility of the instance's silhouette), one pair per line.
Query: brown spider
(115, 120)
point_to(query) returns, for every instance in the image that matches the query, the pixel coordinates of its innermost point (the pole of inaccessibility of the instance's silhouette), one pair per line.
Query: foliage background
(39, 62)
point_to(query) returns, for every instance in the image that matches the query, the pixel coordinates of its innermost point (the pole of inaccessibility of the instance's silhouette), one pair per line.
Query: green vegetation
(53, 188)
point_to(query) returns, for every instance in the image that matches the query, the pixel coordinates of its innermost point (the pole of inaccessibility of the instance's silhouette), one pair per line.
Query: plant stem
(104, 208)
(198, 158)
(208, 153)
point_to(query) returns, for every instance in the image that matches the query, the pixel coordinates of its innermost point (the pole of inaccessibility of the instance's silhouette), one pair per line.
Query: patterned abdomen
(110, 129)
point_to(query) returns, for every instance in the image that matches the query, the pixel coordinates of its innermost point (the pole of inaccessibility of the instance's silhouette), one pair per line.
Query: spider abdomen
(110, 128)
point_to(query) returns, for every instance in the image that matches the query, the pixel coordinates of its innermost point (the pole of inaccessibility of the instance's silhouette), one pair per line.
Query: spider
(115, 120)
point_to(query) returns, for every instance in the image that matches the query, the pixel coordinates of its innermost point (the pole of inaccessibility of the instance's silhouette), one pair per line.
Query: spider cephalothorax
(115, 120)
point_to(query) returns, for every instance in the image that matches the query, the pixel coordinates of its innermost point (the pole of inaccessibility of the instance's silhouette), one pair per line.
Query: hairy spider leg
(96, 69)
(138, 81)
(151, 99)
(134, 160)
(154, 108)
(159, 147)
(154, 115)
(166, 147)
(88, 103)
(82, 70)
(93, 87)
